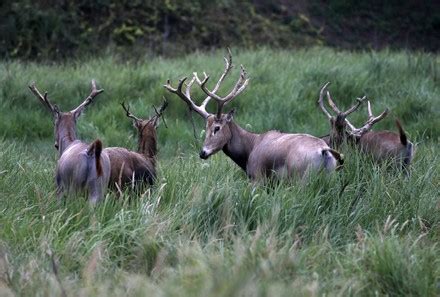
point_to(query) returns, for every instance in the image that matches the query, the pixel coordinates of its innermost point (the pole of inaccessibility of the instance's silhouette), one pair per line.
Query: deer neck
(66, 135)
(240, 145)
(147, 145)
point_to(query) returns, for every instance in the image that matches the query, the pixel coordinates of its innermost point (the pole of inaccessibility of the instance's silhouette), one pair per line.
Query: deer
(272, 154)
(135, 168)
(81, 166)
(381, 145)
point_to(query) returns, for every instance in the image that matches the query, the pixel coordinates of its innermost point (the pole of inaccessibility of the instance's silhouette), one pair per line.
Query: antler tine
(372, 119)
(370, 122)
(241, 84)
(128, 113)
(187, 96)
(347, 112)
(43, 99)
(159, 113)
(332, 103)
(321, 102)
(163, 106)
(228, 67)
(89, 99)
(189, 86)
(355, 106)
(370, 114)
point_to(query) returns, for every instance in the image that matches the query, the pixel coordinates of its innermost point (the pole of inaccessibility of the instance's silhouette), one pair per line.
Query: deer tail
(95, 150)
(409, 153)
(403, 138)
(337, 155)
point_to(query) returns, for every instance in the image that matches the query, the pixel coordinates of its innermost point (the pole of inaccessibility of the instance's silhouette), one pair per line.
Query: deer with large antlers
(81, 166)
(382, 145)
(270, 154)
(135, 168)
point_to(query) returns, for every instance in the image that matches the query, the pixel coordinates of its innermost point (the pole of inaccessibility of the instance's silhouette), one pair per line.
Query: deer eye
(216, 129)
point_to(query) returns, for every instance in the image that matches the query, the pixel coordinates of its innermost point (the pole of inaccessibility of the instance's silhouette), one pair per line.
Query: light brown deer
(381, 145)
(135, 168)
(270, 154)
(81, 166)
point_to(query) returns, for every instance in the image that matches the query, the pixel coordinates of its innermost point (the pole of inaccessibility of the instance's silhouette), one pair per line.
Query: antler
(201, 110)
(53, 108)
(159, 113)
(89, 99)
(348, 111)
(128, 113)
(340, 114)
(241, 84)
(321, 101)
(187, 97)
(358, 132)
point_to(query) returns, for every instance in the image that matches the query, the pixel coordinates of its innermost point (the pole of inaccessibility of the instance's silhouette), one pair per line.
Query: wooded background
(50, 29)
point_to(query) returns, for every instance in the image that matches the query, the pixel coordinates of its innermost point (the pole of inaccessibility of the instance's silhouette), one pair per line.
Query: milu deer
(135, 168)
(381, 145)
(81, 166)
(261, 156)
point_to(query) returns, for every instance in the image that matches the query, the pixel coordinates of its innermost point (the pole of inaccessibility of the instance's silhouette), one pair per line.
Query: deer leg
(60, 189)
(60, 194)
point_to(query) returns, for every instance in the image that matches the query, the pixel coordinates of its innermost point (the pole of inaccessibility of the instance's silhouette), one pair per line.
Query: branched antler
(129, 114)
(186, 96)
(240, 85)
(43, 99)
(159, 113)
(358, 132)
(342, 115)
(201, 110)
(89, 99)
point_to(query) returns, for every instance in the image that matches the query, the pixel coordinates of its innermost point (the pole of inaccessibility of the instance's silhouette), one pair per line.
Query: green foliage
(47, 30)
(53, 29)
(204, 230)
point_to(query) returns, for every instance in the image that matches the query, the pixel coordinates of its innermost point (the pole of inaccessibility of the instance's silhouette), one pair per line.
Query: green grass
(203, 230)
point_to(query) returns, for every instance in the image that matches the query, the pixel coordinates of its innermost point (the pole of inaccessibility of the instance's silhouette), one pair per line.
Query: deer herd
(88, 167)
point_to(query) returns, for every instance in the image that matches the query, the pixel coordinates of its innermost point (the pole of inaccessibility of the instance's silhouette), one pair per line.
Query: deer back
(128, 166)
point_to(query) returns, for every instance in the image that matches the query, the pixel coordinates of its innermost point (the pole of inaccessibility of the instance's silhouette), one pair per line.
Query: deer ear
(230, 115)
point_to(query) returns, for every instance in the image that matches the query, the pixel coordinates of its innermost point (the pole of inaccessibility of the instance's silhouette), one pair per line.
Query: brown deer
(81, 166)
(129, 167)
(260, 155)
(381, 145)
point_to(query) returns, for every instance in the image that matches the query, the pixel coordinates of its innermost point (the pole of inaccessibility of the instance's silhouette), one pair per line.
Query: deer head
(341, 128)
(65, 122)
(147, 128)
(217, 130)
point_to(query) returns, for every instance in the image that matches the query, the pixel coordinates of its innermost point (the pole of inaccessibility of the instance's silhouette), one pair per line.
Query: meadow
(204, 229)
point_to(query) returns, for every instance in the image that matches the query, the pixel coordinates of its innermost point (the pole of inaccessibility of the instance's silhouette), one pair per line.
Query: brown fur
(381, 145)
(81, 166)
(262, 155)
(73, 172)
(141, 165)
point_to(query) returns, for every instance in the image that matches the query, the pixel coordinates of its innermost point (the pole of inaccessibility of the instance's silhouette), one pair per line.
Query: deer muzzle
(204, 154)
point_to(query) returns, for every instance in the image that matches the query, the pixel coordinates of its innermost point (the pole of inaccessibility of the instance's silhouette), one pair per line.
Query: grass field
(203, 230)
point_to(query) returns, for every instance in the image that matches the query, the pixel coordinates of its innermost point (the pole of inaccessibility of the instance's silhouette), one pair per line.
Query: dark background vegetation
(52, 29)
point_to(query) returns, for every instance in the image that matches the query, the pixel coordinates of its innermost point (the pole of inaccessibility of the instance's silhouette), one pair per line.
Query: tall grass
(204, 229)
